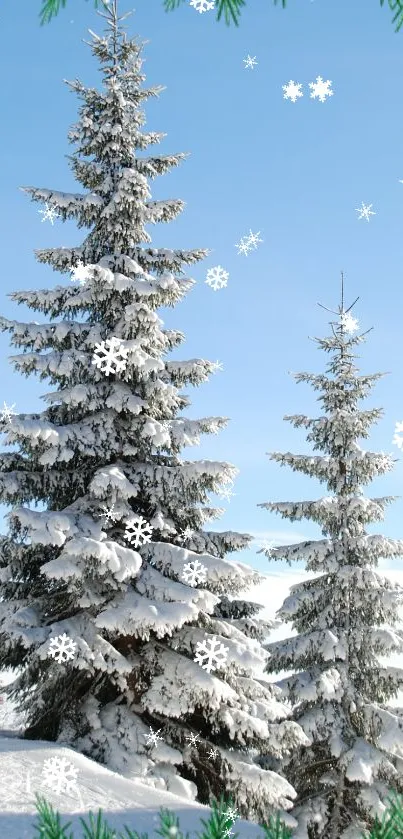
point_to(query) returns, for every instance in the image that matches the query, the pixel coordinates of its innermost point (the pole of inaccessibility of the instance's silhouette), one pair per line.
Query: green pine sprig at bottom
(218, 825)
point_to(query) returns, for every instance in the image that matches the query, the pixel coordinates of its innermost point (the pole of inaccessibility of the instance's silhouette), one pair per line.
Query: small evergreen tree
(343, 617)
(114, 597)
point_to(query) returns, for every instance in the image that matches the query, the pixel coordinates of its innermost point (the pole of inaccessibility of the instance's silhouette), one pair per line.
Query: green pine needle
(169, 823)
(97, 829)
(49, 826)
(231, 9)
(276, 829)
(397, 7)
(51, 8)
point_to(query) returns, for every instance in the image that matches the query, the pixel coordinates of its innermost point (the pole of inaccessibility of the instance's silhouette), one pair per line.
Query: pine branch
(276, 829)
(397, 7)
(49, 825)
(231, 9)
(51, 8)
(98, 829)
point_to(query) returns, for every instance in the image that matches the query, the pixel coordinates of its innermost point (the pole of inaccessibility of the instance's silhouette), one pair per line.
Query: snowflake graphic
(187, 533)
(202, 5)
(243, 247)
(108, 514)
(194, 573)
(193, 739)
(80, 274)
(397, 440)
(110, 356)
(217, 277)
(211, 656)
(7, 413)
(213, 753)
(217, 365)
(62, 648)
(250, 62)
(138, 530)
(349, 323)
(365, 211)
(320, 89)
(49, 214)
(248, 243)
(231, 814)
(59, 774)
(153, 737)
(253, 239)
(292, 91)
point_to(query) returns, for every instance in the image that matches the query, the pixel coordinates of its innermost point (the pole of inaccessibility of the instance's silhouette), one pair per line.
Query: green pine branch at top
(217, 826)
(51, 8)
(231, 9)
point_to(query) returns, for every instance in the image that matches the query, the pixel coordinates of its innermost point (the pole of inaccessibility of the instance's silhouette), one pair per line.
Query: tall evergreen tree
(344, 618)
(115, 600)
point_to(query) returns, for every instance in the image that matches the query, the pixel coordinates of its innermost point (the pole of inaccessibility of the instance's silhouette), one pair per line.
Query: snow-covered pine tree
(101, 611)
(343, 617)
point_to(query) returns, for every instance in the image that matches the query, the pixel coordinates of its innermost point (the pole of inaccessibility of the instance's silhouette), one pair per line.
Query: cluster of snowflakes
(217, 277)
(319, 90)
(152, 739)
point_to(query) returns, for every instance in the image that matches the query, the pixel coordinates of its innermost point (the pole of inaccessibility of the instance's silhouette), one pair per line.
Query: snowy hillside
(122, 801)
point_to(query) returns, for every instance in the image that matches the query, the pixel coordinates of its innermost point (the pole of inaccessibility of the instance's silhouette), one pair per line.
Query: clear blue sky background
(294, 172)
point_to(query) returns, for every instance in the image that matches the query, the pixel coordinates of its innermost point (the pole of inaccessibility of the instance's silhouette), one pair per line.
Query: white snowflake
(243, 247)
(80, 274)
(109, 514)
(213, 753)
(59, 774)
(250, 62)
(365, 211)
(217, 365)
(138, 530)
(320, 89)
(49, 214)
(231, 813)
(253, 239)
(7, 412)
(194, 573)
(397, 440)
(62, 648)
(193, 739)
(348, 322)
(217, 278)
(187, 533)
(292, 91)
(110, 356)
(210, 655)
(203, 5)
(153, 737)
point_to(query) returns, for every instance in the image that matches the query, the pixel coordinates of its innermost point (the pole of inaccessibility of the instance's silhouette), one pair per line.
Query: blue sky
(294, 172)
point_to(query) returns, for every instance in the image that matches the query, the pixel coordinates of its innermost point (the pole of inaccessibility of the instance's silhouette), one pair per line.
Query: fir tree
(110, 592)
(343, 618)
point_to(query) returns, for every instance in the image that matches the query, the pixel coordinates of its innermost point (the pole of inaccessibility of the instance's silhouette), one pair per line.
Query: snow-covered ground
(122, 801)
